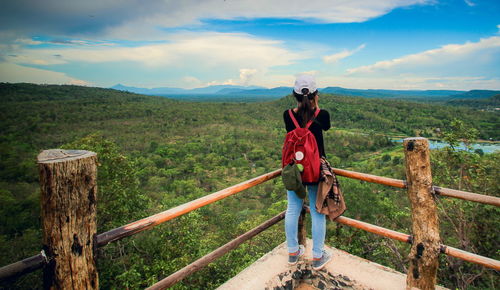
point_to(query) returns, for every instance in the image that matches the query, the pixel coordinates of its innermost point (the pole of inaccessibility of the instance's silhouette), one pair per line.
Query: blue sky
(390, 44)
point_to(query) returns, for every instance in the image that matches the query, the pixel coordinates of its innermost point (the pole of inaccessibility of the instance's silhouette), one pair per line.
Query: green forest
(155, 153)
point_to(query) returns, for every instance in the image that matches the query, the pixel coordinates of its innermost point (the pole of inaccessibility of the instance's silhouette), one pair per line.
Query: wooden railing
(68, 185)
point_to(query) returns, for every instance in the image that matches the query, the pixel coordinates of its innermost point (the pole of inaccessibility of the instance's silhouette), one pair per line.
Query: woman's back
(320, 124)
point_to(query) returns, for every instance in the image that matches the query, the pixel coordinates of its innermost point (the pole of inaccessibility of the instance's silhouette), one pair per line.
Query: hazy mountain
(376, 93)
(220, 88)
(274, 92)
(476, 94)
(145, 91)
(231, 91)
(210, 90)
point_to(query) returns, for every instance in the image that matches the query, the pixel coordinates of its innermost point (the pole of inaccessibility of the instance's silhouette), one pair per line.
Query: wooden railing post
(425, 227)
(68, 208)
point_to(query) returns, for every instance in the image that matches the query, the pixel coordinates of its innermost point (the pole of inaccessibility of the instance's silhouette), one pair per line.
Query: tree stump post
(68, 209)
(302, 228)
(425, 247)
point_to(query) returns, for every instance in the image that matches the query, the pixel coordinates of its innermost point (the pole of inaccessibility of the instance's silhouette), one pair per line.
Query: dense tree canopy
(155, 153)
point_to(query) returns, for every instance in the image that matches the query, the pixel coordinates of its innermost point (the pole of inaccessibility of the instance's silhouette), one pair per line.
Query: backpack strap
(293, 119)
(316, 113)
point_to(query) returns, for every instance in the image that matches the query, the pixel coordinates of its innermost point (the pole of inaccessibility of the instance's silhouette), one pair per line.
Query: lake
(487, 147)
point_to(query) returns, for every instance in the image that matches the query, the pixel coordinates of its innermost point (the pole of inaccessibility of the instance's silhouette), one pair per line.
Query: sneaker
(318, 264)
(294, 258)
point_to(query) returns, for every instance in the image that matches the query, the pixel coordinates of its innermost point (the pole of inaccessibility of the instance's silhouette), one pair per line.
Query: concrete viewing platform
(345, 271)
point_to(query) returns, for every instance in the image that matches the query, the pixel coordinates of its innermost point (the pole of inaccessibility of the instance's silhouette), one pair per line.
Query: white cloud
(261, 78)
(333, 58)
(189, 12)
(190, 82)
(330, 11)
(310, 72)
(78, 82)
(455, 58)
(206, 50)
(28, 41)
(246, 58)
(246, 75)
(274, 80)
(245, 78)
(120, 18)
(14, 73)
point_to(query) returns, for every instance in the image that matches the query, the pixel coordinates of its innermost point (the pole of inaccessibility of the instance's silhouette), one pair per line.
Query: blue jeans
(292, 222)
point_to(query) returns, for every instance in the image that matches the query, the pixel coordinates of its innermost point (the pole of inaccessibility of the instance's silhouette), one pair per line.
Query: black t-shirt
(322, 122)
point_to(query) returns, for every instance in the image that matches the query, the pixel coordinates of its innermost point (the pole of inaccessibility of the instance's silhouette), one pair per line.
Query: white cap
(305, 81)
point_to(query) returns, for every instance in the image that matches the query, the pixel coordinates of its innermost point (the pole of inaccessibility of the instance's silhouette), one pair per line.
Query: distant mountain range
(228, 91)
(210, 90)
(412, 94)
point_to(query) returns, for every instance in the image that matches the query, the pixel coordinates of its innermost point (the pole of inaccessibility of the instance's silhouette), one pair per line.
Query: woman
(306, 94)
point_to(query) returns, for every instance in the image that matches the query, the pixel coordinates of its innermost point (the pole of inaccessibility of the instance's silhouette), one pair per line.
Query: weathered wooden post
(68, 186)
(425, 247)
(302, 228)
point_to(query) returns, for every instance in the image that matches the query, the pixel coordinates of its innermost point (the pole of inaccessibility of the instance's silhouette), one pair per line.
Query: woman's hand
(315, 101)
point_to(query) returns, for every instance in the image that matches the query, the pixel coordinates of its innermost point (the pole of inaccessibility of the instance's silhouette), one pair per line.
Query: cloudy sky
(392, 44)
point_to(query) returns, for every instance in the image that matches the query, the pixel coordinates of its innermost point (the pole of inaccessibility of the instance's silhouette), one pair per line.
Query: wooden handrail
(22, 267)
(450, 251)
(154, 220)
(470, 196)
(207, 259)
(370, 178)
(443, 191)
(471, 257)
(405, 238)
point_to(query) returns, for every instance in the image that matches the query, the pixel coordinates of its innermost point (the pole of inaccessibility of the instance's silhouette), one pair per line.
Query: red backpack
(300, 147)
